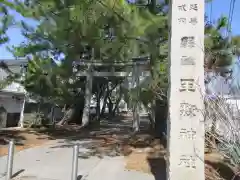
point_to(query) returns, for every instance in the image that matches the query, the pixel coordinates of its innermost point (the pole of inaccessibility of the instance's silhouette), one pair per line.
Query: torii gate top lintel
(134, 61)
(117, 69)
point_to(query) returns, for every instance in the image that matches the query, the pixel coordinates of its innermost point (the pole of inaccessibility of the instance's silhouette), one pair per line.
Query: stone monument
(186, 122)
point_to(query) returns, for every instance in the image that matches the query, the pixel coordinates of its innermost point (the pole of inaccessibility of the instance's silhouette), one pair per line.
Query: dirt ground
(142, 152)
(143, 162)
(23, 138)
(151, 160)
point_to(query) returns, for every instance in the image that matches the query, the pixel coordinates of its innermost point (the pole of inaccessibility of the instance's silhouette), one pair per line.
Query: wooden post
(186, 102)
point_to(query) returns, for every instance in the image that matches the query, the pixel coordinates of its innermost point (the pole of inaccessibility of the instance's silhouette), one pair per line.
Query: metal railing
(10, 160)
(75, 162)
(10, 157)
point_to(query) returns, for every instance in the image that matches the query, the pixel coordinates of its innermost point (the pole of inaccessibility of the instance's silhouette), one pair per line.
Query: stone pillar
(88, 96)
(186, 122)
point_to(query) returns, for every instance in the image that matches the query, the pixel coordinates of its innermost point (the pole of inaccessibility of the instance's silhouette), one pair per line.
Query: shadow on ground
(7, 135)
(158, 168)
(79, 177)
(111, 138)
(223, 170)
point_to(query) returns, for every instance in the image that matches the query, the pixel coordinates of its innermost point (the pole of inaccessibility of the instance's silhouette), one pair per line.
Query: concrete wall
(14, 106)
(11, 104)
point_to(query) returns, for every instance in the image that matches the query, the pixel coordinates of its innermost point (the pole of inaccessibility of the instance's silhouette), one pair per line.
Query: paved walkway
(51, 162)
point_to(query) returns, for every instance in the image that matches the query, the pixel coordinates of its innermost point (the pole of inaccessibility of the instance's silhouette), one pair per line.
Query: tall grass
(222, 125)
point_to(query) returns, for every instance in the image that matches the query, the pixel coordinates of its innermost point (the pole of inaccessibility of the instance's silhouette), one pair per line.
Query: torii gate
(89, 73)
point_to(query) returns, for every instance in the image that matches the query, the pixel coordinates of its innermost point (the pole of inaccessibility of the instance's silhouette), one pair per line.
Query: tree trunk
(98, 108)
(78, 113)
(151, 114)
(161, 114)
(152, 122)
(67, 117)
(116, 108)
(136, 118)
(107, 100)
(104, 106)
(110, 106)
(106, 94)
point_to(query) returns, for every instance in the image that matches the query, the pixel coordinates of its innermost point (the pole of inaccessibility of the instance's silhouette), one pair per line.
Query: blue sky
(219, 7)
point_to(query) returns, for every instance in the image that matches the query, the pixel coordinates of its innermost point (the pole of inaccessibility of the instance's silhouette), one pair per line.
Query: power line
(233, 6)
(229, 34)
(211, 10)
(234, 2)
(229, 15)
(230, 18)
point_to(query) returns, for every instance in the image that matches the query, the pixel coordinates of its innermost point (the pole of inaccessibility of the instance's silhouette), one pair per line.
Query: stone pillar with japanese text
(186, 92)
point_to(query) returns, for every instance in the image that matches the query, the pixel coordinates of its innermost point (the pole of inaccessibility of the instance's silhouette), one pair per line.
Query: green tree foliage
(219, 49)
(117, 31)
(5, 21)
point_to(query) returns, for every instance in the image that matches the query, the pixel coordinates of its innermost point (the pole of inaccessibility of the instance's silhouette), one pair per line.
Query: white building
(12, 97)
